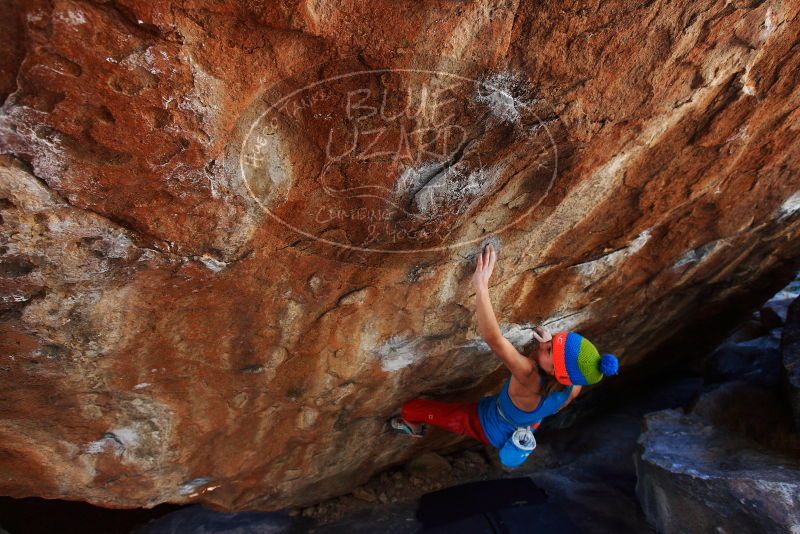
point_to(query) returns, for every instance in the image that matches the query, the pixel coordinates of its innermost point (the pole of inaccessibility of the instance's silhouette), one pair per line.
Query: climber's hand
(542, 334)
(484, 265)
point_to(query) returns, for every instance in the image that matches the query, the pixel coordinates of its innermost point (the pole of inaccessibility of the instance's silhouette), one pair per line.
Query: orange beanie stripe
(559, 364)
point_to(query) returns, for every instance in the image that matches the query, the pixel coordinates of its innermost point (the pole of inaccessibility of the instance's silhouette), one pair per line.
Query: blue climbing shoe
(399, 425)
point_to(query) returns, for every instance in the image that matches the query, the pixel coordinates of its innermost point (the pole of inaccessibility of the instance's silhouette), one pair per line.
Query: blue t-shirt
(498, 430)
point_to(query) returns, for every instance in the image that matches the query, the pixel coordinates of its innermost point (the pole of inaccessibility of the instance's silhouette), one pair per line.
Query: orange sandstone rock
(237, 235)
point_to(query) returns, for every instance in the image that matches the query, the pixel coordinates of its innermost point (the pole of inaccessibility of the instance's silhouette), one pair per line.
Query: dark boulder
(196, 519)
(692, 477)
(749, 329)
(757, 361)
(790, 353)
(773, 312)
(756, 413)
(710, 471)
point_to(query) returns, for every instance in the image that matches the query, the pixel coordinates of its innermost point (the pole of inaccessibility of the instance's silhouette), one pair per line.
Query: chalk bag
(517, 448)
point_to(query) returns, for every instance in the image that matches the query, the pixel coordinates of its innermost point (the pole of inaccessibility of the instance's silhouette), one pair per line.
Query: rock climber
(541, 384)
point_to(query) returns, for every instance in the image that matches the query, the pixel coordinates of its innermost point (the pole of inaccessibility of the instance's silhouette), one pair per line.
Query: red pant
(458, 417)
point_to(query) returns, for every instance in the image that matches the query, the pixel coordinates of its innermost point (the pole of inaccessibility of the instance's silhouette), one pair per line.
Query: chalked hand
(541, 334)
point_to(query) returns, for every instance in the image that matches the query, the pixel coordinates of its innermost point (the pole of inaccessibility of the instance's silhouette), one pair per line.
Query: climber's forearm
(487, 323)
(520, 366)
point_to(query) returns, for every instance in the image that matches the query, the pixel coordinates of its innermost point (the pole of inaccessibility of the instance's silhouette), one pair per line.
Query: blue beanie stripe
(571, 348)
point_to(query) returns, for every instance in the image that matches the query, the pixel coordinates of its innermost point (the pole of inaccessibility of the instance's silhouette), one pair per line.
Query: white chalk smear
(604, 264)
(192, 485)
(790, 206)
(497, 92)
(73, 17)
(212, 264)
(397, 353)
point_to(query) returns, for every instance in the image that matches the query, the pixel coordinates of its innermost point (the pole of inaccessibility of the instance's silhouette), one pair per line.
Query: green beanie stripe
(588, 358)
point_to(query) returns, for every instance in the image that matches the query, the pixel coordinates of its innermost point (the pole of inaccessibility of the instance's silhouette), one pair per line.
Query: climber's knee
(412, 410)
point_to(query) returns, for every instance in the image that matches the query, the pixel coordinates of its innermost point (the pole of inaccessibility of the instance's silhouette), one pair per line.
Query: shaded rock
(750, 329)
(749, 411)
(790, 354)
(694, 477)
(474, 457)
(364, 494)
(428, 465)
(199, 520)
(470, 462)
(757, 361)
(515, 503)
(773, 313)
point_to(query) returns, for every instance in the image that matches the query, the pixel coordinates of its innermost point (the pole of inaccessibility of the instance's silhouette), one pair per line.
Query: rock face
(237, 235)
(695, 474)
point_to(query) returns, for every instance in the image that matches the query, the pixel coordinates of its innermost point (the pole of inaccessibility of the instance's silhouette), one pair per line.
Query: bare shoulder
(529, 383)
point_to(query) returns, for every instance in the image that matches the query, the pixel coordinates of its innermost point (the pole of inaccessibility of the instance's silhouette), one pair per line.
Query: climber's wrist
(482, 291)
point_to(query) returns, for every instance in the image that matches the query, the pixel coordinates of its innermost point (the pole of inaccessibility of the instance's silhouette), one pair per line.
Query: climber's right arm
(520, 366)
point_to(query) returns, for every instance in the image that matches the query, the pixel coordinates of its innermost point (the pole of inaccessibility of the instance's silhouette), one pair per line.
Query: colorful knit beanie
(576, 361)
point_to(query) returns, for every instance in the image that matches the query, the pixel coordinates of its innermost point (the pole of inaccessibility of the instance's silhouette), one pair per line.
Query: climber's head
(576, 361)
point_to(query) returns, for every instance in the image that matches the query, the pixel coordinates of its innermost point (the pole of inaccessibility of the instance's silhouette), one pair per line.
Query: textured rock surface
(166, 336)
(696, 476)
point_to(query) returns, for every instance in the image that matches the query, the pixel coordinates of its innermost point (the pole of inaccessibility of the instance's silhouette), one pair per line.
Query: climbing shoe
(398, 424)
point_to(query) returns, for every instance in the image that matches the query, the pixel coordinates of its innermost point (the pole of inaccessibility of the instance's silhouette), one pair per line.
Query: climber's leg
(457, 417)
